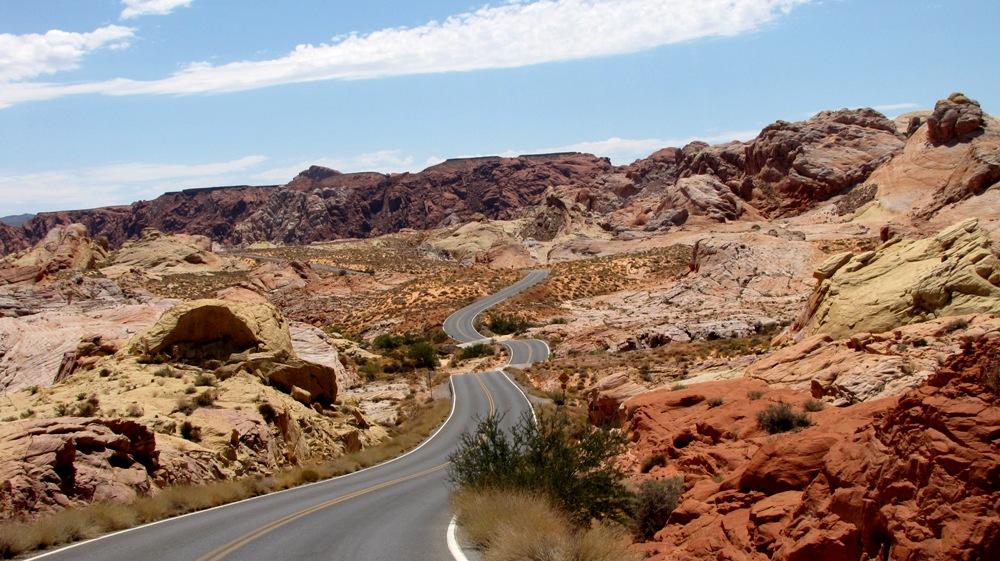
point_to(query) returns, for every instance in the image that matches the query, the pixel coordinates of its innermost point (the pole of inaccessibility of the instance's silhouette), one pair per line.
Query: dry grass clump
(67, 526)
(516, 526)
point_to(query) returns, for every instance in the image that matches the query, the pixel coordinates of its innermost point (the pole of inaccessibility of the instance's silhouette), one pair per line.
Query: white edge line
(428, 439)
(453, 547)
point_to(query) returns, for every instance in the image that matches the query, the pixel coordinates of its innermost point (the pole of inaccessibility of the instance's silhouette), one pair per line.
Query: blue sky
(111, 101)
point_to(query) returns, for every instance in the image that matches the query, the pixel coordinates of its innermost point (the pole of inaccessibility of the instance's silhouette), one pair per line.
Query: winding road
(396, 510)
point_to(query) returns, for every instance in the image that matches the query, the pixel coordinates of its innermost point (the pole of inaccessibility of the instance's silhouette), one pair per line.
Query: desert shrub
(267, 411)
(714, 401)
(370, 371)
(190, 390)
(649, 462)
(573, 467)
(677, 387)
(190, 431)
(754, 395)
(781, 418)
(184, 405)
(134, 410)
(991, 375)
(86, 406)
(813, 405)
(205, 398)
(478, 350)
(390, 342)
(506, 324)
(558, 397)
(423, 355)
(204, 379)
(167, 372)
(644, 373)
(654, 501)
(955, 325)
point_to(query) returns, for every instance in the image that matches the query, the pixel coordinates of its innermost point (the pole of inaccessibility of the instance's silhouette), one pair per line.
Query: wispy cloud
(895, 107)
(136, 8)
(113, 184)
(27, 56)
(514, 34)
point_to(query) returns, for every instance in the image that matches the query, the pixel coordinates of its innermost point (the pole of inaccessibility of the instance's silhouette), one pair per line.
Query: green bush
(575, 469)
(477, 351)
(653, 503)
(649, 462)
(505, 324)
(423, 355)
(781, 418)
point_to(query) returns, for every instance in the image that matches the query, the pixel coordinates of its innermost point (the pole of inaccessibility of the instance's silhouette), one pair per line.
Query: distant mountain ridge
(16, 219)
(785, 171)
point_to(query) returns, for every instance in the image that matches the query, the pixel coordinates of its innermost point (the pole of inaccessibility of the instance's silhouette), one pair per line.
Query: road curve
(396, 510)
(523, 352)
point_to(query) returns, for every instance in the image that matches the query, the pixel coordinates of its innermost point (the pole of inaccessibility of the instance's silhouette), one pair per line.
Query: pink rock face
(913, 478)
(49, 463)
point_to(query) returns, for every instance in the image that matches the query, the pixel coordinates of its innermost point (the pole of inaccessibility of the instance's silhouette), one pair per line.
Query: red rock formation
(12, 239)
(212, 212)
(791, 166)
(913, 479)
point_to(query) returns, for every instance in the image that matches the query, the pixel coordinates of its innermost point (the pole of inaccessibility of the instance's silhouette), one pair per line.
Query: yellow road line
(489, 396)
(231, 546)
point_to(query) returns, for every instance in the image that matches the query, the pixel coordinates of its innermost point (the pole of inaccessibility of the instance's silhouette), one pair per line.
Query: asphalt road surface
(397, 510)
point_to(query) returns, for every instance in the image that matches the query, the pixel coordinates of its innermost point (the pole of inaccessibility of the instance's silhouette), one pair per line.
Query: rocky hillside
(870, 166)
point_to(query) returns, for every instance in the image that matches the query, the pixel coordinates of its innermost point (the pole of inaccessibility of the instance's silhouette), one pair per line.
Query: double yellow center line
(225, 549)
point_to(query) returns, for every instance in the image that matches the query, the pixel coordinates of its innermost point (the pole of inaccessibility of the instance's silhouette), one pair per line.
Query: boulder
(954, 118)
(700, 195)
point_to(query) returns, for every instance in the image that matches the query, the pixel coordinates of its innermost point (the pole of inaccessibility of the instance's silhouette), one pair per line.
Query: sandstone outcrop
(253, 337)
(701, 195)
(838, 489)
(931, 185)
(157, 254)
(791, 166)
(954, 272)
(65, 249)
(954, 118)
(868, 366)
(51, 463)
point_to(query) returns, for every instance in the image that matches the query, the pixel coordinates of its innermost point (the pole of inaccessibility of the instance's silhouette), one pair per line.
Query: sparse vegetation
(649, 462)
(507, 324)
(190, 431)
(654, 501)
(714, 402)
(813, 405)
(781, 418)
(478, 350)
(754, 395)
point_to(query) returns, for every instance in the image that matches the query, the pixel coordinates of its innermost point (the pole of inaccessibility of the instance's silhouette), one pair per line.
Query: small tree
(577, 470)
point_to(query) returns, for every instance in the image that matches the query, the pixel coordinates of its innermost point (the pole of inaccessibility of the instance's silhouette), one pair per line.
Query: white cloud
(136, 8)
(27, 56)
(113, 184)
(511, 35)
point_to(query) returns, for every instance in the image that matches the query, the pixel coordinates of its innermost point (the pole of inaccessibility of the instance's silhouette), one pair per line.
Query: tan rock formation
(157, 254)
(952, 273)
(953, 118)
(249, 336)
(64, 249)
